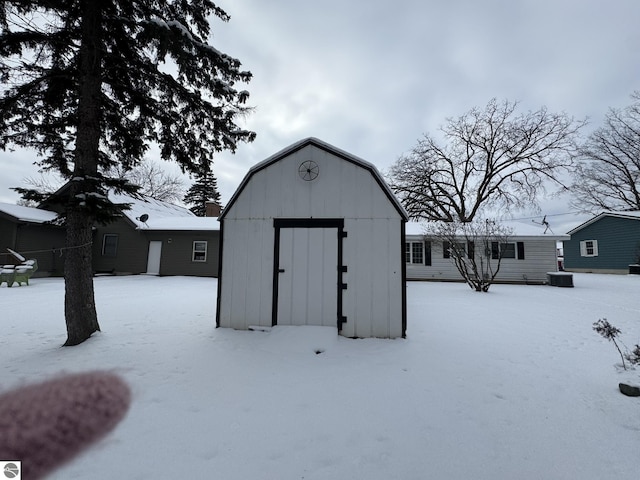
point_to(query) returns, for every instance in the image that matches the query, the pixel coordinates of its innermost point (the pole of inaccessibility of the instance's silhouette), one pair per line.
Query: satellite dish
(143, 218)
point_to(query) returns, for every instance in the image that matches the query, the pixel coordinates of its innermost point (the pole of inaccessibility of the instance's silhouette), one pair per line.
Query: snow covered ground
(510, 384)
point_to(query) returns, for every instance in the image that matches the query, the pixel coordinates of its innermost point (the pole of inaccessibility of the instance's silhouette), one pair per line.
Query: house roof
(328, 148)
(520, 230)
(162, 215)
(27, 214)
(632, 215)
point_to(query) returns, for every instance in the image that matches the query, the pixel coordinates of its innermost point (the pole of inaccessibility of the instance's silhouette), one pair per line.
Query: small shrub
(634, 356)
(608, 331)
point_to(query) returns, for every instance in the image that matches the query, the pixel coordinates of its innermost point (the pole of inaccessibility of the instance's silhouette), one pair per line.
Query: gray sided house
(27, 230)
(607, 243)
(529, 255)
(313, 236)
(156, 238)
(153, 237)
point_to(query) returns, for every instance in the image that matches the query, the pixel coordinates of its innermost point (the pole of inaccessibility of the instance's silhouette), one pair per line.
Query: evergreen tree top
(160, 81)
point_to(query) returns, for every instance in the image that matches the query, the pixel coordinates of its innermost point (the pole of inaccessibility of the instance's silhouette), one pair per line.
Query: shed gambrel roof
(327, 148)
(632, 215)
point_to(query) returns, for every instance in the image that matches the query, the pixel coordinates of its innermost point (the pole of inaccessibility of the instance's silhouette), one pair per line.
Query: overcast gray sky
(372, 77)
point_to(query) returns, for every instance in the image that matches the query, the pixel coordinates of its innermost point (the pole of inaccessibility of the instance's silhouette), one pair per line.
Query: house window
(414, 253)
(507, 250)
(199, 253)
(589, 248)
(109, 245)
(459, 248)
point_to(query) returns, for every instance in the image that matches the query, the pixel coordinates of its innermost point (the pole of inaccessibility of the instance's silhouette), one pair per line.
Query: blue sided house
(608, 243)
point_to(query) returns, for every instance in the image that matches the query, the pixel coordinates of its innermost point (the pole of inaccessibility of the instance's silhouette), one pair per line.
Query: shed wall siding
(247, 269)
(373, 296)
(540, 258)
(618, 245)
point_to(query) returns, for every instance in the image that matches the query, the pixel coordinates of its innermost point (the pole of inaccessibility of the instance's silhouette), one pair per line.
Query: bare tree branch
(475, 248)
(607, 177)
(492, 157)
(154, 181)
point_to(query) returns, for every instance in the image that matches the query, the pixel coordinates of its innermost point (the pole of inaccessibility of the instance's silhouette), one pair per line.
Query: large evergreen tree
(204, 189)
(90, 84)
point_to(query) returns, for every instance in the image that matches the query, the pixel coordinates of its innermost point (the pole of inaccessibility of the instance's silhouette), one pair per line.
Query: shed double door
(307, 277)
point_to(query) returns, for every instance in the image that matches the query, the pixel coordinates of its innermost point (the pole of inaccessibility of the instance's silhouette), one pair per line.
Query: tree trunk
(80, 309)
(79, 304)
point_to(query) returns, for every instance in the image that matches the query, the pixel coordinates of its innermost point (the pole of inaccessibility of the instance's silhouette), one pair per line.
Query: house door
(308, 283)
(153, 260)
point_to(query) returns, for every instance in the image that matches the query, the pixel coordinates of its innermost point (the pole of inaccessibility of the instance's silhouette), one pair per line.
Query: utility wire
(53, 250)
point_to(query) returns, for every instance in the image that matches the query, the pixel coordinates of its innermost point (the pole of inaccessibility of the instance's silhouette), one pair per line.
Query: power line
(51, 250)
(547, 215)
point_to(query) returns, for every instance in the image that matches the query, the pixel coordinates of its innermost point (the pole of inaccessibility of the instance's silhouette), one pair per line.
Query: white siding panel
(247, 270)
(357, 300)
(540, 258)
(373, 299)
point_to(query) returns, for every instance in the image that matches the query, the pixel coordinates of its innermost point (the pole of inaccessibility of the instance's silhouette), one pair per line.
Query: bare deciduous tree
(149, 176)
(476, 249)
(607, 177)
(493, 157)
(154, 181)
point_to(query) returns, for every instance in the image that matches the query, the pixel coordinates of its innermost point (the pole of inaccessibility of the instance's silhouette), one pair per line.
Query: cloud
(372, 77)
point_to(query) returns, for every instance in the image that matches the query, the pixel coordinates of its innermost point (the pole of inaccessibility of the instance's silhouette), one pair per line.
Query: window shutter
(520, 246)
(595, 248)
(583, 248)
(445, 250)
(427, 253)
(471, 247)
(495, 250)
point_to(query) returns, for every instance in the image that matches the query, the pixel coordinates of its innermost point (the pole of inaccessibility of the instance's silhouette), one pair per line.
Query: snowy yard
(510, 384)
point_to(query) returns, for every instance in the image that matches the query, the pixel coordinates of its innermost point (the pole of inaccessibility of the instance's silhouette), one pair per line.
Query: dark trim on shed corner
(338, 224)
(220, 257)
(403, 236)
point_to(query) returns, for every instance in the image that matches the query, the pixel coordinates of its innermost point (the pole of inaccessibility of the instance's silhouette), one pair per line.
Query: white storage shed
(313, 236)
